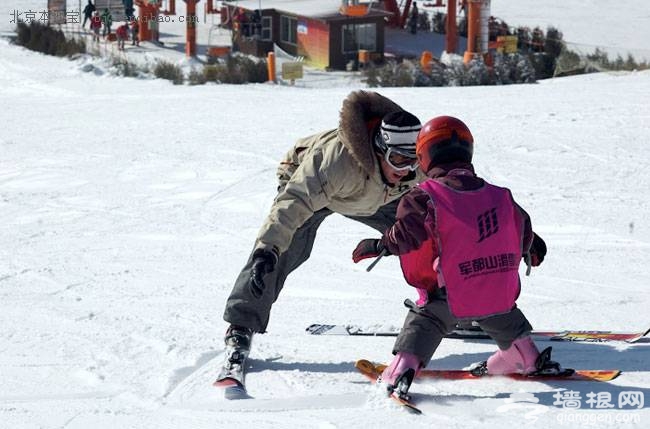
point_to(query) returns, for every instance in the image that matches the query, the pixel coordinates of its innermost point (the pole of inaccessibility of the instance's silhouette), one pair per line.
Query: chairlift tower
(478, 15)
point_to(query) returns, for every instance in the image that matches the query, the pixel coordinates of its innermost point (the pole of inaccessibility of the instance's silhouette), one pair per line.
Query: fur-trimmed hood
(361, 113)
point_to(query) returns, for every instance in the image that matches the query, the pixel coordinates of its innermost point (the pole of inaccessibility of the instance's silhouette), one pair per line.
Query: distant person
(256, 24)
(413, 18)
(88, 12)
(95, 25)
(135, 29)
(107, 20)
(241, 23)
(128, 9)
(122, 33)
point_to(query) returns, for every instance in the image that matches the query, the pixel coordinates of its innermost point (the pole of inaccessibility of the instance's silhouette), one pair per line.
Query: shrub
(475, 73)
(599, 58)
(371, 75)
(569, 63)
(169, 71)
(196, 77)
(508, 69)
(599, 61)
(437, 75)
(237, 69)
(242, 69)
(524, 72)
(396, 74)
(43, 38)
(211, 73)
(124, 68)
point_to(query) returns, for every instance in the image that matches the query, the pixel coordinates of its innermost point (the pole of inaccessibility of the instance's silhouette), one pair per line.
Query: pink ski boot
(399, 375)
(519, 358)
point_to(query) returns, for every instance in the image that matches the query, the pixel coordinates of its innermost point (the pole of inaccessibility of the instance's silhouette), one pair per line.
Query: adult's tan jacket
(335, 169)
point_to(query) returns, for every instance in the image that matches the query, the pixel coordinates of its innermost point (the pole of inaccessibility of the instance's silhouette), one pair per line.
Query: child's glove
(537, 250)
(368, 248)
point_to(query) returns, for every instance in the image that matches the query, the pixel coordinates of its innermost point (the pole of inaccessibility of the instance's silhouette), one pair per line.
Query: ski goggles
(400, 160)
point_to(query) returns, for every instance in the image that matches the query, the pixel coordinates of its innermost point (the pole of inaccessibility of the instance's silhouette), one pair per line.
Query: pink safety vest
(479, 237)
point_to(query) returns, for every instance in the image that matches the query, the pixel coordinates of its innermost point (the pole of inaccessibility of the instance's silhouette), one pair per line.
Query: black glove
(537, 250)
(263, 263)
(367, 248)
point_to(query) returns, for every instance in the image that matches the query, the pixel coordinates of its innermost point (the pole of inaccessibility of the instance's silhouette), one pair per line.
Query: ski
(475, 333)
(232, 388)
(372, 373)
(231, 379)
(365, 366)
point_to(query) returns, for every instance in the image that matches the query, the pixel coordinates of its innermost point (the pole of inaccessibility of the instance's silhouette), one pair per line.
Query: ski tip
(232, 389)
(408, 406)
(367, 368)
(597, 375)
(227, 382)
(615, 373)
(637, 337)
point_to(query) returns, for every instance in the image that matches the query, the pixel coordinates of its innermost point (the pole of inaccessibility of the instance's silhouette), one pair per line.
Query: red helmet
(442, 140)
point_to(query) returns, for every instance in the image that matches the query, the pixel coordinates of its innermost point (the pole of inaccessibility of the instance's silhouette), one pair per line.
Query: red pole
(148, 25)
(451, 41)
(473, 29)
(190, 17)
(171, 8)
(405, 14)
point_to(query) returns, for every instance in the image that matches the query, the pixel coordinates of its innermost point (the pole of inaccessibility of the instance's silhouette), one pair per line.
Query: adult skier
(360, 170)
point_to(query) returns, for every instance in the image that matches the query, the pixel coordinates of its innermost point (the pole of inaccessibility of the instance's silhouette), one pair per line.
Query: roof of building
(320, 9)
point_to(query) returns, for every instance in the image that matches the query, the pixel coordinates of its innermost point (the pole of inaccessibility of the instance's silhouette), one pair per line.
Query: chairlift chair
(217, 34)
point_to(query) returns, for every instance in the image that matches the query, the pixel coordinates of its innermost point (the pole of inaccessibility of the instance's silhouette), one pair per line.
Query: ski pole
(383, 253)
(529, 263)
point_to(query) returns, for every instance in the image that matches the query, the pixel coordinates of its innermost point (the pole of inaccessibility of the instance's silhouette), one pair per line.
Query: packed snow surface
(128, 207)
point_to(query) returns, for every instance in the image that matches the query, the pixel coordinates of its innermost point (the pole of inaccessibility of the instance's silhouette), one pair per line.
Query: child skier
(122, 34)
(95, 25)
(460, 240)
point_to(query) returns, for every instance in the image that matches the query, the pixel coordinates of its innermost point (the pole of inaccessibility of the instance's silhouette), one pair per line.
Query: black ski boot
(546, 366)
(403, 384)
(238, 337)
(233, 370)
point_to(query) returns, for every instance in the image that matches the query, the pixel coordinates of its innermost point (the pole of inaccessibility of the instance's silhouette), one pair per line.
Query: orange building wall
(313, 42)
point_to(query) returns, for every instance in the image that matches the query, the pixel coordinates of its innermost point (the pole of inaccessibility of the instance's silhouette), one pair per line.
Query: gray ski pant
(425, 327)
(243, 309)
